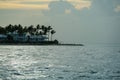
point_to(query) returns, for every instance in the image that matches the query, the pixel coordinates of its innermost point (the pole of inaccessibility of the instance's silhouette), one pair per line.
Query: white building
(27, 37)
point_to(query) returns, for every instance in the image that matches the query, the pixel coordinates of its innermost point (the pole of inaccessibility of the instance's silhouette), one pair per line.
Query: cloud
(80, 4)
(96, 23)
(117, 9)
(24, 4)
(107, 5)
(40, 4)
(28, 0)
(67, 11)
(59, 7)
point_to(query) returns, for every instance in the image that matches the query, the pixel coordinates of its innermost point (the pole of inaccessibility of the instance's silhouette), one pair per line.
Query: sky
(75, 21)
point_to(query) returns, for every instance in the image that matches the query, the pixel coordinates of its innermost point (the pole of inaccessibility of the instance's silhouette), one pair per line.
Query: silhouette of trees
(8, 28)
(49, 29)
(38, 27)
(52, 32)
(33, 30)
(2, 30)
(20, 29)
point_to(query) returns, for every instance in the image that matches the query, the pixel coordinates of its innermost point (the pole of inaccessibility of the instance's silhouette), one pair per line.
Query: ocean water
(89, 62)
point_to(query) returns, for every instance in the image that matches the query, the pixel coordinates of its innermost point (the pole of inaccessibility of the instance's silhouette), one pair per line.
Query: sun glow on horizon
(21, 5)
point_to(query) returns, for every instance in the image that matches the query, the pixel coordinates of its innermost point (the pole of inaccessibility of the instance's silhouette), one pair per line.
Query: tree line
(33, 30)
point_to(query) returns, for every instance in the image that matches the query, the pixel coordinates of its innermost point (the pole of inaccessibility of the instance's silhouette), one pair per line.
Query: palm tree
(20, 29)
(16, 27)
(2, 30)
(44, 29)
(30, 29)
(38, 27)
(8, 28)
(38, 30)
(49, 28)
(52, 32)
(25, 29)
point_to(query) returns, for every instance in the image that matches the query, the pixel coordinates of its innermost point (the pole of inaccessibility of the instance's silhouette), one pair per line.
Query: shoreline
(42, 44)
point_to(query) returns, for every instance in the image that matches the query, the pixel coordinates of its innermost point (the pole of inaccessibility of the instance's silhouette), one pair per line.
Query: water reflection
(59, 63)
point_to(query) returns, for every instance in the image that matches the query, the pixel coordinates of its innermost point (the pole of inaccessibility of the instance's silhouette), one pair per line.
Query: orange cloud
(21, 4)
(10, 5)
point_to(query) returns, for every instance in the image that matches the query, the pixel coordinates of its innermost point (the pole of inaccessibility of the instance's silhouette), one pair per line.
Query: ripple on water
(60, 77)
(58, 63)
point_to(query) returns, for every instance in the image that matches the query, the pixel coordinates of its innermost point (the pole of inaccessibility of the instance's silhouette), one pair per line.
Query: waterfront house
(27, 37)
(18, 33)
(37, 38)
(3, 37)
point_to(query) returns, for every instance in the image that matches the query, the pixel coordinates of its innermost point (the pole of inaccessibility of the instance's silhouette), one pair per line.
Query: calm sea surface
(90, 62)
